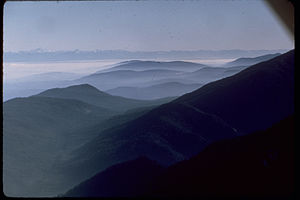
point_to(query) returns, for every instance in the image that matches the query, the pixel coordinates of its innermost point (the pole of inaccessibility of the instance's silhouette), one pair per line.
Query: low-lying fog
(15, 70)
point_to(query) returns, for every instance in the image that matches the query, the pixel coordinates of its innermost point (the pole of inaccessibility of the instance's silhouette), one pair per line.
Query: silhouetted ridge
(252, 99)
(257, 165)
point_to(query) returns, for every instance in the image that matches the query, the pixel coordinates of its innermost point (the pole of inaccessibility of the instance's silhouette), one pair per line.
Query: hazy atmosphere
(147, 99)
(102, 33)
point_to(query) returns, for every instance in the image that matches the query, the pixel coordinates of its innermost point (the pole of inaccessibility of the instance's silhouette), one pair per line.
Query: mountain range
(64, 136)
(180, 129)
(144, 74)
(136, 79)
(136, 75)
(113, 79)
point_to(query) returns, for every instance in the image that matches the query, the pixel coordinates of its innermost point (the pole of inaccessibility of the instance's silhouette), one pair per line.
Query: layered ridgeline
(149, 79)
(129, 78)
(38, 131)
(177, 85)
(133, 79)
(259, 164)
(134, 73)
(251, 100)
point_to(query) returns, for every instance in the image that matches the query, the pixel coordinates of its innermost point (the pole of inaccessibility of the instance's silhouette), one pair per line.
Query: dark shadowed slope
(89, 94)
(257, 165)
(38, 130)
(170, 89)
(251, 61)
(138, 65)
(127, 179)
(168, 134)
(253, 99)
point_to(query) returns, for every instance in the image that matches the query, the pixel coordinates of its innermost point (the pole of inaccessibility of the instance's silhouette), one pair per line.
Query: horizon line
(41, 50)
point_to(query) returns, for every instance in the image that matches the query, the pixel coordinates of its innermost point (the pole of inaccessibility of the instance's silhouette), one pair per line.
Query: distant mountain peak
(82, 86)
(82, 89)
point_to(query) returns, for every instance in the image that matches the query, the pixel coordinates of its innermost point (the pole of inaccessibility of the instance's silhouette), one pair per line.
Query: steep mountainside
(251, 100)
(257, 165)
(168, 134)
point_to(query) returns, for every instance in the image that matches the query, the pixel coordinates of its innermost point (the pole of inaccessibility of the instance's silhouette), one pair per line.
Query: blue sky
(142, 25)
